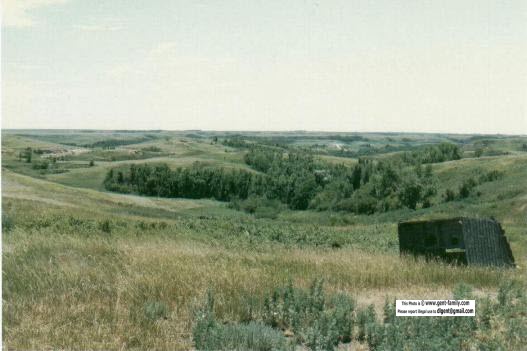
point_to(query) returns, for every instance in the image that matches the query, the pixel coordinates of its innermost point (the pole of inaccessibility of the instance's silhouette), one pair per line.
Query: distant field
(82, 266)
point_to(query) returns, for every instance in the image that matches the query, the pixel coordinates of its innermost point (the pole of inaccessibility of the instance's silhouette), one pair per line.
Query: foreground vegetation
(319, 321)
(88, 269)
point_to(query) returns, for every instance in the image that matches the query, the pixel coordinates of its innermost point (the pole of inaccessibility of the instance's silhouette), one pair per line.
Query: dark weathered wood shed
(471, 241)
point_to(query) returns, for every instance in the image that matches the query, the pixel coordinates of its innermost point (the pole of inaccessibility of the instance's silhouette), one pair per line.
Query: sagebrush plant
(209, 334)
(318, 321)
(365, 320)
(155, 310)
(313, 318)
(483, 332)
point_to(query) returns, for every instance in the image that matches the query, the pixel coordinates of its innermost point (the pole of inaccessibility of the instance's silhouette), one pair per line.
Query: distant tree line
(284, 140)
(433, 154)
(113, 143)
(292, 177)
(198, 181)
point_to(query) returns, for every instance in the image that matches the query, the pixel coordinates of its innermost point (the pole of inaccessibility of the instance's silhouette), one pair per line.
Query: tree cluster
(292, 177)
(433, 154)
(198, 181)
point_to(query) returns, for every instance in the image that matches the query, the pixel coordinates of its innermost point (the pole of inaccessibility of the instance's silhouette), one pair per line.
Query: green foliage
(58, 259)
(151, 149)
(361, 202)
(318, 320)
(466, 188)
(235, 142)
(366, 319)
(461, 333)
(111, 143)
(293, 177)
(449, 195)
(105, 226)
(322, 335)
(209, 334)
(462, 291)
(252, 336)
(195, 182)
(43, 165)
(490, 176)
(313, 319)
(434, 154)
(27, 154)
(417, 187)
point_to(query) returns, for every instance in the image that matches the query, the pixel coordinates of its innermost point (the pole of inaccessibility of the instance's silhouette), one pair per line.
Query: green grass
(62, 269)
(87, 269)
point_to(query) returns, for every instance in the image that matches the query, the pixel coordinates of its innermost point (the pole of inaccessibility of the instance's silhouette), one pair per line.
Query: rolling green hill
(87, 268)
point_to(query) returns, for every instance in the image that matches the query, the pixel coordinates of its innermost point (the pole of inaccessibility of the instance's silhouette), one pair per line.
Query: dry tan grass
(88, 293)
(68, 291)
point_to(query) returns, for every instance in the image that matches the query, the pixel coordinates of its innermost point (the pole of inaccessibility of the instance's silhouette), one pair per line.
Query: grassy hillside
(88, 269)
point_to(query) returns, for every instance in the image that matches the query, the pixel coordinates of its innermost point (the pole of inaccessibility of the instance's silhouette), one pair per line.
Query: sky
(452, 66)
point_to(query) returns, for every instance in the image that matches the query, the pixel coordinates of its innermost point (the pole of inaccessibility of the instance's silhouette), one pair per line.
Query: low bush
(209, 334)
(490, 176)
(105, 226)
(360, 202)
(151, 149)
(499, 325)
(318, 321)
(311, 317)
(260, 207)
(42, 165)
(155, 310)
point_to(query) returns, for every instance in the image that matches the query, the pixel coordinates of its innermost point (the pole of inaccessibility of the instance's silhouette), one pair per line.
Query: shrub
(342, 314)
(466, 188)
(151, 149)
(155, 310)
(365, 320)
(239, 336)
(314, 319)
(208, 334)
(410, 193)
(449, 195)
(105, 226)
(462, 291)
(507, 315)
(490, 176)
(320, 321)
(323, 334)
(40, 165)
(361, 202)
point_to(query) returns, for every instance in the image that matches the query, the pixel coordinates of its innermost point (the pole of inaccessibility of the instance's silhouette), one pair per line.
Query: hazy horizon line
(261, 131)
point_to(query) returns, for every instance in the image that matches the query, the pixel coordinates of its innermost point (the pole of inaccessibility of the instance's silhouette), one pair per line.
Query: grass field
(82, 267)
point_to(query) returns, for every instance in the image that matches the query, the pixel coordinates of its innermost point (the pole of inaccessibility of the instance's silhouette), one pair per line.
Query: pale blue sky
(415, 65)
